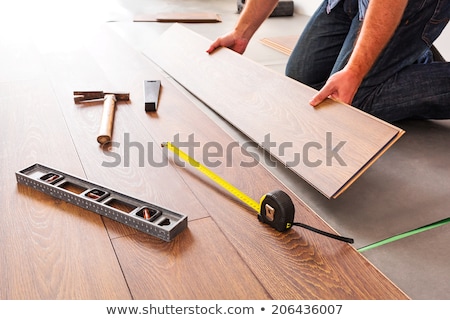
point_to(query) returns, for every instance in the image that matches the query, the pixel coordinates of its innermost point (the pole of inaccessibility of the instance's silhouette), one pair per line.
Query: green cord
(405, 234)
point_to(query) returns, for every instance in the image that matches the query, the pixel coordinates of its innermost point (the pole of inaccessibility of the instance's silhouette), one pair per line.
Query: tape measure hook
(277, 210)
(270, 212)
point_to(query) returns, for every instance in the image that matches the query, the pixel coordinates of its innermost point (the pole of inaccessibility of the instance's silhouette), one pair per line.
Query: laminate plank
(329, 146)
(188, 17)
(50, 249)
(308, 265)
(284, 44)
(200, 264)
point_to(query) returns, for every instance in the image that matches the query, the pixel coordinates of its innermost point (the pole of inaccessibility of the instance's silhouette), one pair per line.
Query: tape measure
(274, 208)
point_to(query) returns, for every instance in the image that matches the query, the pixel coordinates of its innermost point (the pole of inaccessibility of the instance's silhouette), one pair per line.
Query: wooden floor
(54, 250)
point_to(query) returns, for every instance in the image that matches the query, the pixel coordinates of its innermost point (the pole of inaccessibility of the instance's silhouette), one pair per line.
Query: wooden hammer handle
(105, 132)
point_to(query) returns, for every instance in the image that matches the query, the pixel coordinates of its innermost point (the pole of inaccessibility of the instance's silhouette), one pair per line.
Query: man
(373, 54)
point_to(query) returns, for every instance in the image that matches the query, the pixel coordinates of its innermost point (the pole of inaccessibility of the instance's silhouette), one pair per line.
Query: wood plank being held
(329, 146)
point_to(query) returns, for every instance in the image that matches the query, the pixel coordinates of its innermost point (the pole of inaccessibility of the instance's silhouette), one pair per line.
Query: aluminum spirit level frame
(140, 215)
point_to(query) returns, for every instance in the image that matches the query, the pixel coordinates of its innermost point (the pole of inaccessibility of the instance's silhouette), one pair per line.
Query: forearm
(254, 14)
(381, 20)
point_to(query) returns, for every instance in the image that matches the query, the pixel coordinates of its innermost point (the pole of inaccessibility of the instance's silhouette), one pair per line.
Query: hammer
(109, 103)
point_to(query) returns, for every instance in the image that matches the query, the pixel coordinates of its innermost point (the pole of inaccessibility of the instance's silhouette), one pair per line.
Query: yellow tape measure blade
(213, 176)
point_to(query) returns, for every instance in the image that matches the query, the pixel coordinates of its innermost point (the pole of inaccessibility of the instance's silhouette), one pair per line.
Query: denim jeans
(399, 85)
